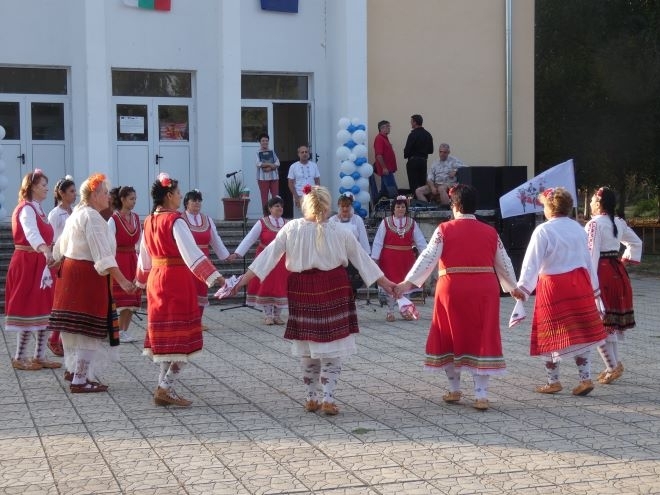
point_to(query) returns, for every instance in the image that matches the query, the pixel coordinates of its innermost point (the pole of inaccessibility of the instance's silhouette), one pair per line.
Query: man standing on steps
(301, 173)
(418, 147)
(385, 163)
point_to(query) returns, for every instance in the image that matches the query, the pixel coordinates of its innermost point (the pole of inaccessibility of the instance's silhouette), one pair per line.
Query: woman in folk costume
(83, 309)
(465, 330)
(322, 316)
(65, 196)
(393, 245)
(29, 285)
(347, 219)
(605, 233)
(566, 320)
(205, 234)
(125, 225)
(269, 295)
(168, 253)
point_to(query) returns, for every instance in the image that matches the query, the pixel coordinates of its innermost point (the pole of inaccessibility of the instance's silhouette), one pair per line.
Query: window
(154, 84)
(273, 87)
(33, 81)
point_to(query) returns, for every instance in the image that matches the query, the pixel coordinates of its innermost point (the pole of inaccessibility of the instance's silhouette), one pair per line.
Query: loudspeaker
(511, 177)
(484, 179)
(517, 231)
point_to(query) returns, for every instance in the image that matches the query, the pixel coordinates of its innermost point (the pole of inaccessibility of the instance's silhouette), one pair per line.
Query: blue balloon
(342, 190)
(356, 176)
(360, 161)
(363, 213)
(342, 175)
(355, 189)
(350, 144)
(351, 128)
(360, 127)
(357, 205)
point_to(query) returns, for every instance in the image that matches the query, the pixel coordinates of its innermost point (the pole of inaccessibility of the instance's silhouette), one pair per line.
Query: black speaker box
(516, 232)
(510, 178)
(484, 179)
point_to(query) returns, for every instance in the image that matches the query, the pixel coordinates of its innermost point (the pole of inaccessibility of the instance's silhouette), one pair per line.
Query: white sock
(330, 371)
(454, 378)
(311, 369)
(480, 386)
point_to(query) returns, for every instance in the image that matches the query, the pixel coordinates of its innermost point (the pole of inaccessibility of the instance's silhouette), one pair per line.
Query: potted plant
(236, 202)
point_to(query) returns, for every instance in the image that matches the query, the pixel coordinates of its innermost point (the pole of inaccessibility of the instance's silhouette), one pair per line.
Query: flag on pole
(524, 198)
(163, 5)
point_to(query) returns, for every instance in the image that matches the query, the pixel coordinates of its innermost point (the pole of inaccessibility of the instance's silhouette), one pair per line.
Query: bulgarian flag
(164, 5)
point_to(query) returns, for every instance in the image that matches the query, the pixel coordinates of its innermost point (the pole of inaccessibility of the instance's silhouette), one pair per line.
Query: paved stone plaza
(246, 431)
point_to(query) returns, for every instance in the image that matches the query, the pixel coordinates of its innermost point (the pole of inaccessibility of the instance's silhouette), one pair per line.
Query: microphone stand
(244, 225)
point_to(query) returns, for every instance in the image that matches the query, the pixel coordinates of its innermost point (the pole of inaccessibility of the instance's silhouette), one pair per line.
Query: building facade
(99, 85)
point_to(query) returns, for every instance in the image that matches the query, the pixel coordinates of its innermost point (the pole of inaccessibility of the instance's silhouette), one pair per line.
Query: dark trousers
(416, 170)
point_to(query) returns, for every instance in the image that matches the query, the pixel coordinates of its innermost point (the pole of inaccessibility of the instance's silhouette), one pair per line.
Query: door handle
(22, 158)
(158, 158)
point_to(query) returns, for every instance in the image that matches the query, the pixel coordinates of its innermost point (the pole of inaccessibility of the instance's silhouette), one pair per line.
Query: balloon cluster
(354, 171)
(3, 178)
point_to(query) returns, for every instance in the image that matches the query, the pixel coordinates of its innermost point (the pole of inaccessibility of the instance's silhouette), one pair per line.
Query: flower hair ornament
(346, 194)
(547, 193)
(452, 190)
(94, 181)
(307, 189)
(164, 179)
(35, 172)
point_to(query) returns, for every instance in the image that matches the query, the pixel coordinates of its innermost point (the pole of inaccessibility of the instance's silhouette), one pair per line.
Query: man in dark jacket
(418, 147)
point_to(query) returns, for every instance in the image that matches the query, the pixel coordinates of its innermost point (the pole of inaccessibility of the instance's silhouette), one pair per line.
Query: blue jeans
(388, 186)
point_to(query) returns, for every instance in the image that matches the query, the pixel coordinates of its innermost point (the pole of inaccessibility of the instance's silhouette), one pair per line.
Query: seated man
(441, 177)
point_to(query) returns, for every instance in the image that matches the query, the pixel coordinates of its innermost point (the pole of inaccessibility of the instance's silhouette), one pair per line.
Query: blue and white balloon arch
(354, 169)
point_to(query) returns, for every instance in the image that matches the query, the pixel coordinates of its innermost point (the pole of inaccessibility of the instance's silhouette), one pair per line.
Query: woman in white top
(82, 307)
(206, 236)
(65, 196)
(566, 320)
(269, 295)
(347, 219)
(322, 315)
(606, 232)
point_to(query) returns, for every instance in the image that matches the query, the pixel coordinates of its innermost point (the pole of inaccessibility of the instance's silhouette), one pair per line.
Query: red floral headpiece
(452, 190)
(95, 180)
(307, 189)
(164, 179)
(548, 192)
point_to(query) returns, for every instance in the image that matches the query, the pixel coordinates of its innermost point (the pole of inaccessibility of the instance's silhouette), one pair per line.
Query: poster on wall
(172, 131)
(129, 124)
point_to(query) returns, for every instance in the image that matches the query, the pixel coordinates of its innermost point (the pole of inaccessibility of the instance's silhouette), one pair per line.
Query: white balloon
(347, 182)
(343, 153)
(359, 136)
(355, 121)
(366, 170)
(360, 150)
(363, 183)
(347, 166)
(363, 197)
(344, 122)
(343, 136)
(3, 133)
(3, 166)
(352, 157)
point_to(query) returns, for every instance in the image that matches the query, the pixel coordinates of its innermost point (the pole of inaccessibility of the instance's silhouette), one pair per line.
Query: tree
(598, 89)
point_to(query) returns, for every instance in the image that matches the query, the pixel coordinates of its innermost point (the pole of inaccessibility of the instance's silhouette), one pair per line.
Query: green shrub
(646, 208)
